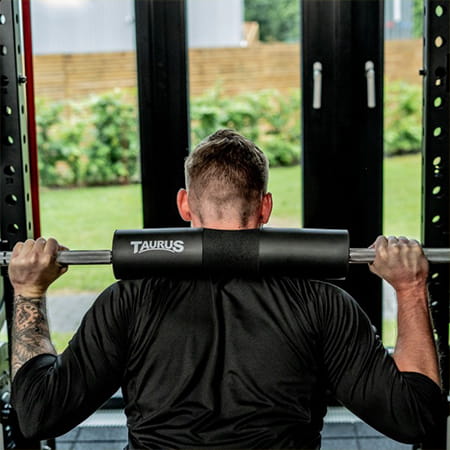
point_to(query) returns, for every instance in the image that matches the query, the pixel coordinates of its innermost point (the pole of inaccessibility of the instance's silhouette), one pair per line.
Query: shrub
(90, 142)
(282, 139)
(402, 118)
(95, 141)
(49, 153)
(113, 150)
(267, 117)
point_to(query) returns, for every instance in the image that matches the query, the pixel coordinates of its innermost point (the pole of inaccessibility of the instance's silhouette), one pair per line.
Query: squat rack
(160, 28)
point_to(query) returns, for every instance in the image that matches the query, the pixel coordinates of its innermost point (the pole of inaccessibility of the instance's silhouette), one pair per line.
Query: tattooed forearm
(30, 333)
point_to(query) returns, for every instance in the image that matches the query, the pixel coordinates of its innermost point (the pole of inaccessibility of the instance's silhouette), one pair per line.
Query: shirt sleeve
(52, 394)
(364, 377)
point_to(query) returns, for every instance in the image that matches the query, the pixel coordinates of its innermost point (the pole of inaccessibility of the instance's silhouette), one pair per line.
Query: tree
(279, 20)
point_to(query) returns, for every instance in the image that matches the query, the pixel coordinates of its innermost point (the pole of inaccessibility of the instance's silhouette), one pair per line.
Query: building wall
(264, 66)
(403, 60)
(99, 26)
(215, 23)
(82, 26)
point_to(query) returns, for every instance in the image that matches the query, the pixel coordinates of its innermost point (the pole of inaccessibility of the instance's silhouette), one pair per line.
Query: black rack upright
(342, 73)
(436, 176)
(163, 106)
(16, 215)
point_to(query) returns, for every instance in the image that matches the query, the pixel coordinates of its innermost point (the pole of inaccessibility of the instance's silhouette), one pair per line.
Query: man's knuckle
(33, 258)
(395, 249)
(45, 260)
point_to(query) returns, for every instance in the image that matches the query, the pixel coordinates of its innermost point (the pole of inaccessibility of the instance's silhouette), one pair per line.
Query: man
(220, 362)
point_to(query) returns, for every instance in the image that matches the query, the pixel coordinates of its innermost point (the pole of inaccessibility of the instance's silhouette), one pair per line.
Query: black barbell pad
(231, 252)
(194, 251)
(157, 251)
(302, 252)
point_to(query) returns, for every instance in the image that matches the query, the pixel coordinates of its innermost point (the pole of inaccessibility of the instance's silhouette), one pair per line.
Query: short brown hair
(228, 167)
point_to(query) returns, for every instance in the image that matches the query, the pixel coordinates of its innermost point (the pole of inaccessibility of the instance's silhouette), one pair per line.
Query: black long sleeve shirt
(227, 363)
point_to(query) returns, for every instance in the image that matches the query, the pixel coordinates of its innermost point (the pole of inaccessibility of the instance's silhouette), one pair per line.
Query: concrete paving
(65, 311)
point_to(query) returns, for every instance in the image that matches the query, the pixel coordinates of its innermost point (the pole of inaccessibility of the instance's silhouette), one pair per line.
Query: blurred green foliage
(402, 118)
(278, 20)
(269, 118)
(113, 151)
(90, 142)
(95, 141)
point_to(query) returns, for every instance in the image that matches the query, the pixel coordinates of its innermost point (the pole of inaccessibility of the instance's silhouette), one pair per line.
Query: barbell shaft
(98, 257)
(72, 257)
(367, 255)
(85, 257)
(307, 252)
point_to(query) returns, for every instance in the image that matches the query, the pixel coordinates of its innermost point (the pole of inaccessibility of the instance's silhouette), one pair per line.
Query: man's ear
(183, 205)
(266, 208)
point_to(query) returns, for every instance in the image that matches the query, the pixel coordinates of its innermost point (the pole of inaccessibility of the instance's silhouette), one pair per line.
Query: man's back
(230, 363)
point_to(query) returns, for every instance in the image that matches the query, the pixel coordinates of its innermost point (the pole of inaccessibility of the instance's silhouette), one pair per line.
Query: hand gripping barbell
(183, 252)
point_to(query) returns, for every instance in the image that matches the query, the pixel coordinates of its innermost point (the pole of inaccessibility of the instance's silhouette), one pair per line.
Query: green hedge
(92, 142)
(402, 118)
(270, 119)
(95, 141)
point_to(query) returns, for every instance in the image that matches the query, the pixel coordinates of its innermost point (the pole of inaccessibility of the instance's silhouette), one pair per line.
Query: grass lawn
(402, 196)
(285, 185)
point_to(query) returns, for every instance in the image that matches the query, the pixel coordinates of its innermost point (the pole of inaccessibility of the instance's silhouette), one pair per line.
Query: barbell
(318, 253)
